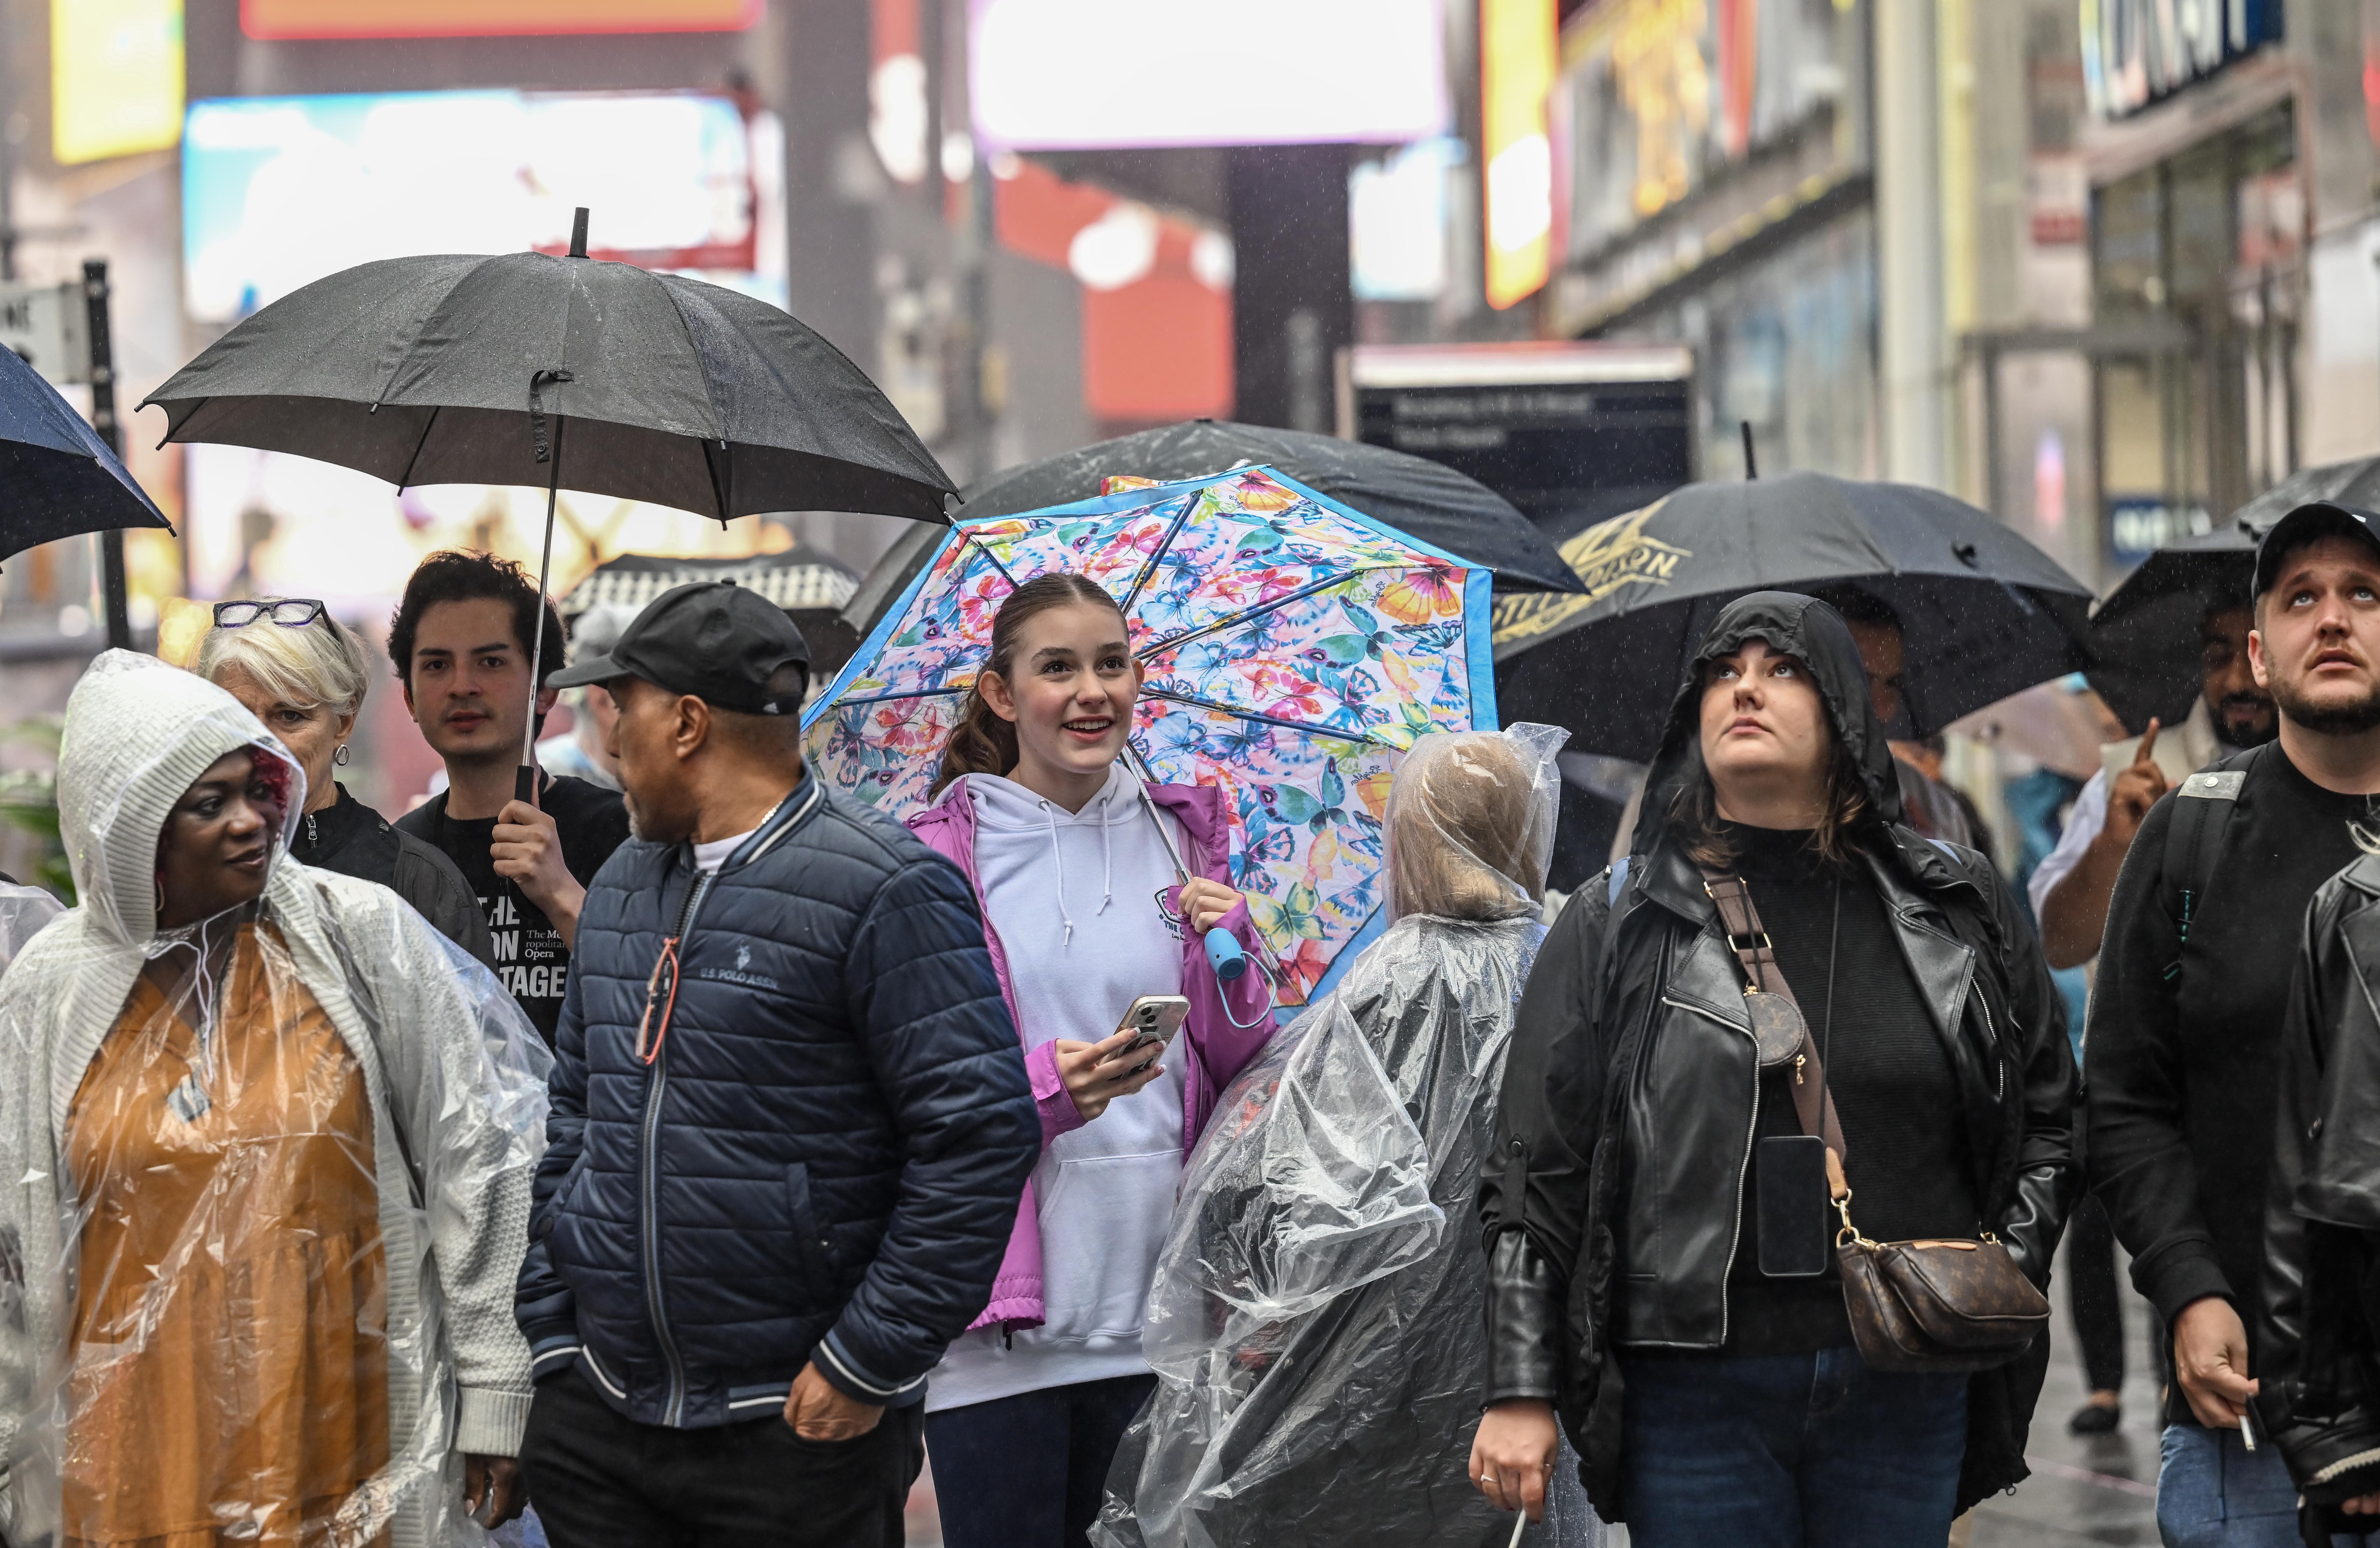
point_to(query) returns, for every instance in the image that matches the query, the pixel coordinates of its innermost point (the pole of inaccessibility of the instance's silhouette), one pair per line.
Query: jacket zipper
(1742, 1168)
(650, 1184)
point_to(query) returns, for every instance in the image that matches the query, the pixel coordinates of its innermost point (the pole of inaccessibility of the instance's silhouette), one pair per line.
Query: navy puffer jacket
(825, 1156)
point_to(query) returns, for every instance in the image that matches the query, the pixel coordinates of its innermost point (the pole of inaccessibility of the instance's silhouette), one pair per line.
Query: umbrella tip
(579, 232)
(1751, 467)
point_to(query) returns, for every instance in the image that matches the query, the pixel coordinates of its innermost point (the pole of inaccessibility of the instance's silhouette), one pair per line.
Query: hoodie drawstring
(1107, 859)
(1057, 858)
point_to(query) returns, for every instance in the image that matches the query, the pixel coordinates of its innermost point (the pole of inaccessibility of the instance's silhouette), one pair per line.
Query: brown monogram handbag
(1944, 1304)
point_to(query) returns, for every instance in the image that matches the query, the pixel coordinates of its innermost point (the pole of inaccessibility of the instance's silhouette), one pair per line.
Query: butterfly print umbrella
(1295, 648)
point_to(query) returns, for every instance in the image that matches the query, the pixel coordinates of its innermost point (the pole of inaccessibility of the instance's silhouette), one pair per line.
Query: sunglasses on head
(290, 613)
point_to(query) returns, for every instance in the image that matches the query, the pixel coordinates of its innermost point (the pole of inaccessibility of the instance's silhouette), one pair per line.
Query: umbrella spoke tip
(579, 232)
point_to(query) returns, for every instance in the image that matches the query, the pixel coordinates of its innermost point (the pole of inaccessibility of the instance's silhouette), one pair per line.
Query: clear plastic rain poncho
(256, 1274)
(23, 911)
(1316, 1318)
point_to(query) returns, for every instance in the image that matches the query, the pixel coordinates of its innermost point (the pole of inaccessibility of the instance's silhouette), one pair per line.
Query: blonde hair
(1466, 830)
(318, 665)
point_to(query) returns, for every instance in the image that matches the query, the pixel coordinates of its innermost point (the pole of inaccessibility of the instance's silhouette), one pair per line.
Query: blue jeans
(1787, 1451)
(2214, 1492)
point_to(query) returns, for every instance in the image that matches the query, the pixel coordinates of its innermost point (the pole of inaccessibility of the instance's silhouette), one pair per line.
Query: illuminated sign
(1054, 74)
(279, 191)
(475, 18)
(1518, 39)
(1659, 94)
(2140, 51)
(115, 77)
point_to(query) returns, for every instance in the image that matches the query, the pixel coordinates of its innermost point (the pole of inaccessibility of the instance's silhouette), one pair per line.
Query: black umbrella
(502, 370)
(1419, 498)
(57, 478)
(2354, 483)
(2146, 636)
(1984, 614)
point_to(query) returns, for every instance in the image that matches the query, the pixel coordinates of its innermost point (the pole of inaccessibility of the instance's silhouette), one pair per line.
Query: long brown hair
(981, 742)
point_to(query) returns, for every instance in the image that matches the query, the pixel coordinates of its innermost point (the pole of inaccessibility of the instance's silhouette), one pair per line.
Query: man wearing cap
(2185, 1017)
(790, 1124)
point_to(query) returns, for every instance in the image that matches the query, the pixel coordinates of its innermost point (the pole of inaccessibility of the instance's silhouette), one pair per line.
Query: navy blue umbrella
(57, 478)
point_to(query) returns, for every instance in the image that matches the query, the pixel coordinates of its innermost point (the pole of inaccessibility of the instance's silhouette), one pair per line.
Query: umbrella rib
(984, 549)
(1173, 530)
(904, 693)
(1258, 612)
(405, 481)
(1301, 726)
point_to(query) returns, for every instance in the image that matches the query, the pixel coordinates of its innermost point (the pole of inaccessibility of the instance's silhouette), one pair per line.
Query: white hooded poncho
(454, 1074)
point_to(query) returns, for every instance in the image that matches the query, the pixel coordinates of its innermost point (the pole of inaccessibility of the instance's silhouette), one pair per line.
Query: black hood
(1814, 635)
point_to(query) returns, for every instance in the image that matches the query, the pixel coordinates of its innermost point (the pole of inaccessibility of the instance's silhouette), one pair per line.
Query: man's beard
(2260, 727)
(2328, 720)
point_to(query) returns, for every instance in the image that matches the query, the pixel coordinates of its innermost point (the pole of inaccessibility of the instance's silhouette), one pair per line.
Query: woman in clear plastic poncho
(1315, 1325)
(273, 1139)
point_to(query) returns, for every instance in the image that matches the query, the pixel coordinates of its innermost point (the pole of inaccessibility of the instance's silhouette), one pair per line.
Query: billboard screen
(278, 191)
(115, 77)
(1051, 75)
(473, 18)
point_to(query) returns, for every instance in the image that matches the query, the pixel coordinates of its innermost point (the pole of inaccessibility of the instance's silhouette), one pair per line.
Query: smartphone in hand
(1153, 1020)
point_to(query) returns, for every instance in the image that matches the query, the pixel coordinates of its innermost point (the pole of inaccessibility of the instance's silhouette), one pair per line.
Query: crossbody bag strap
(1814, 1105)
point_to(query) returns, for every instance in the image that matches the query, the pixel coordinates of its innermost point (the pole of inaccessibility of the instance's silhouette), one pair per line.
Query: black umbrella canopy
(2146, 636)
(57, 478)
(1984, 614)
(2354, 483)
(444, 370)
(1419, 498)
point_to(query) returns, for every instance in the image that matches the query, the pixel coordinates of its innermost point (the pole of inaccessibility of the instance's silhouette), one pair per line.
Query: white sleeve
(2082, 825)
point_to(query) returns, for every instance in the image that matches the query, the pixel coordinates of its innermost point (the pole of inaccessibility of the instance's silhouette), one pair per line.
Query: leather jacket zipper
(1742, 1168)
(673, 1412)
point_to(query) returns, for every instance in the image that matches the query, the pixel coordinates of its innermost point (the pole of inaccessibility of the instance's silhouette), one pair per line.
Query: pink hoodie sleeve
(1059, 1114)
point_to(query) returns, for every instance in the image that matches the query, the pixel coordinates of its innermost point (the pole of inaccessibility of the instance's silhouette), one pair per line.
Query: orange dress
(229, 1381)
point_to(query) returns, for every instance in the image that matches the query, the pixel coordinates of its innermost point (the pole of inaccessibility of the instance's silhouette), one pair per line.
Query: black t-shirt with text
(530, 961)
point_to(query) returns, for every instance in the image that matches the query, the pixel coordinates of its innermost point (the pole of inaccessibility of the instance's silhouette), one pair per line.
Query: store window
(1788, 347)
(2202, 256)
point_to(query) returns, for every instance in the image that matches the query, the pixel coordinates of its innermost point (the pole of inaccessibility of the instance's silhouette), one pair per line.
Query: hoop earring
(340, 757)
(158, 909)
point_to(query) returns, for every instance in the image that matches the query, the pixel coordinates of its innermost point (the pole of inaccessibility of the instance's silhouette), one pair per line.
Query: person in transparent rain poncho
(1315, 1320)
(270, 1138)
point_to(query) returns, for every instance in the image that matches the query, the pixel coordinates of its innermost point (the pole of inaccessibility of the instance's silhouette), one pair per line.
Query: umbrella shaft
(544, 568)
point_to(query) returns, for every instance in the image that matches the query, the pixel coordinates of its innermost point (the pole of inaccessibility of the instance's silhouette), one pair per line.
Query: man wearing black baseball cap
(790, 1124)
(2186, 1013)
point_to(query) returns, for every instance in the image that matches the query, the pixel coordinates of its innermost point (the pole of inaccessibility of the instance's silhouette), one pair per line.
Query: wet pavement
(2084, 1489)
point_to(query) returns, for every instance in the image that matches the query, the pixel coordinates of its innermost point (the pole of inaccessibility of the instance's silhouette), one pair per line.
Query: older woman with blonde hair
(302, 672)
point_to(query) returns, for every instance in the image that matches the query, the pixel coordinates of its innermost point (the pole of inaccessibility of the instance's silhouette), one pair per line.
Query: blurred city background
(2106, 268)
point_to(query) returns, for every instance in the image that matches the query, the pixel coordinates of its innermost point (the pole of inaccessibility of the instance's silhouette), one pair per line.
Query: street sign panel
(49, 327)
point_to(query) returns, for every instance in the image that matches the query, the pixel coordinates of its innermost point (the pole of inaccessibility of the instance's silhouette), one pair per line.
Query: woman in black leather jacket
(1712, 1402)
(2318, 1362)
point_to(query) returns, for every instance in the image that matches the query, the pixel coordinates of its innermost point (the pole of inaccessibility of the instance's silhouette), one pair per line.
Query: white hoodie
(1073, 898)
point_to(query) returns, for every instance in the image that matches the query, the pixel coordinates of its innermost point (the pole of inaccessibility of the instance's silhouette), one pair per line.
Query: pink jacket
(1218, 1050)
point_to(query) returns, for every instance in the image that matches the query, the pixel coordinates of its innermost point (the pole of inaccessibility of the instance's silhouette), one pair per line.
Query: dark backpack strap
(2203, 805)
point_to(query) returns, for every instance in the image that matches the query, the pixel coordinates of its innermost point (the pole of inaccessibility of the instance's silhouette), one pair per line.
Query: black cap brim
(596, 668)
(2310, 522)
